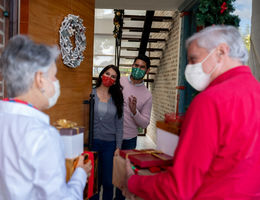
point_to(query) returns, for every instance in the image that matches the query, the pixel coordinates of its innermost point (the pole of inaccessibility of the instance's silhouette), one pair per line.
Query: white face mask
(52, 100)
(195, 75)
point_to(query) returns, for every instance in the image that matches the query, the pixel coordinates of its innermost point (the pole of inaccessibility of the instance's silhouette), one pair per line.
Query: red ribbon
(223, 7)
(91, 178)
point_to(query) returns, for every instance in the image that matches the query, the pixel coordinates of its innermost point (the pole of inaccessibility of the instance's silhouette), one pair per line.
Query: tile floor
(145, 142)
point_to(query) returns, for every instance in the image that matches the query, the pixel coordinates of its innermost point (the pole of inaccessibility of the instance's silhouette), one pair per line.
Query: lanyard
(19, 101)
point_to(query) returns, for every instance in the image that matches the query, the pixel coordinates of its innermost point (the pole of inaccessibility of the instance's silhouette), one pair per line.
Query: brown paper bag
(71, 166)
(119, 176)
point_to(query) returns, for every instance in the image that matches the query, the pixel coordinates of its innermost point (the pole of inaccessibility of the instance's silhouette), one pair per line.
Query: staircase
(143, 33)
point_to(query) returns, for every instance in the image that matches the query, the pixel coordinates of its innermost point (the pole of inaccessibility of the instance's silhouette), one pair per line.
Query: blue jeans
(126, 145)
(105, 151)
(129, 144)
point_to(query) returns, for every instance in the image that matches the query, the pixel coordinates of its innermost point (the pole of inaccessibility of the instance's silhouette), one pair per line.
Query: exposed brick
(2, 3)
(164, 88)
(1, 14)
(1, 39)
(1, 26)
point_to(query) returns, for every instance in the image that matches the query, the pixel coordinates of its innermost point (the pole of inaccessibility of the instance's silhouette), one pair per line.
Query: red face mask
(107, 81)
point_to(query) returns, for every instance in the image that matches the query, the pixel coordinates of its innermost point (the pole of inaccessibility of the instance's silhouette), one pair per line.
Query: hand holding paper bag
(85, 165)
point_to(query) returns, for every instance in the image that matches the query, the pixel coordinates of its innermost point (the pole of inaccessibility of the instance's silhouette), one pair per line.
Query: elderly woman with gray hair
(32, 164)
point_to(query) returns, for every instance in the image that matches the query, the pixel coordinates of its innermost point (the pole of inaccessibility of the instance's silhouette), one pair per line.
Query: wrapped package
(72, 137)
(147, 158)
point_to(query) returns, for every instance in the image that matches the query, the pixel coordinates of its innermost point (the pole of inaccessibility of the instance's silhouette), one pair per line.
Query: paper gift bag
(119, 175)
(92, 183)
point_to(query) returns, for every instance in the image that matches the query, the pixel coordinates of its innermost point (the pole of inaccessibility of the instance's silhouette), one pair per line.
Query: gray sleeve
(119, 131)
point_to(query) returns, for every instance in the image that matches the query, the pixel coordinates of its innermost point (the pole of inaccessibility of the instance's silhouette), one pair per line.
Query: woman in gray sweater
(108, 125)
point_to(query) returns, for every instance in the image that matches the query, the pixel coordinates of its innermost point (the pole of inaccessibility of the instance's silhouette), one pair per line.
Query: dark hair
(145, 59)
(115, 90)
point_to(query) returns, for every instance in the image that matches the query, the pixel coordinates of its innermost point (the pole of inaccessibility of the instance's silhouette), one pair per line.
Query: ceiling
(141, 4)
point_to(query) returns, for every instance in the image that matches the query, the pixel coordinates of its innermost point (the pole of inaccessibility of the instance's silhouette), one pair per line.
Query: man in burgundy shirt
(218, 155)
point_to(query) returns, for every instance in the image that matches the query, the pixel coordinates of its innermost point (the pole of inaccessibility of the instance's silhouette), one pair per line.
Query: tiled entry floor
(145, 142)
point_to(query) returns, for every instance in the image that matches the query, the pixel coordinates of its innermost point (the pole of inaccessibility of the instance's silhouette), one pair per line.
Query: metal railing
(118, 24)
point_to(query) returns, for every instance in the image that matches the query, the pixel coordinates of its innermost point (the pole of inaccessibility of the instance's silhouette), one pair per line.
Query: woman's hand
(117, 151)
(129, 173)
(86, 166)
(129, 170)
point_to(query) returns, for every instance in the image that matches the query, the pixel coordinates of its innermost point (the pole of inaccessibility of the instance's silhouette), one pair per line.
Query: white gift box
(166, 141)
(73, 145)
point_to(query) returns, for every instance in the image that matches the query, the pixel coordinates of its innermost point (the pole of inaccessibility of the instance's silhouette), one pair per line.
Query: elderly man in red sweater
(218, 155)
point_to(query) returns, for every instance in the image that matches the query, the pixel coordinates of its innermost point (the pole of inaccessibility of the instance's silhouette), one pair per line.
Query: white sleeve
(50, 173)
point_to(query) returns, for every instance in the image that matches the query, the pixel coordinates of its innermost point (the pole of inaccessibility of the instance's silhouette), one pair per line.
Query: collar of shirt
(230, 73)
(18, 108)
(138, 84)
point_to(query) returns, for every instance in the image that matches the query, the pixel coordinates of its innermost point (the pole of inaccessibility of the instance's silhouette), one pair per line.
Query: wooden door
(41, 20)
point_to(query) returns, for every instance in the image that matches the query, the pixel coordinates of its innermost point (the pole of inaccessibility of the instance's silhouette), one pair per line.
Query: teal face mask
(137, 73)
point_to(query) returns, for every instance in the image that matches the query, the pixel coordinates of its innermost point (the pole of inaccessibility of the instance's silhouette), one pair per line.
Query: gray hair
(21, 59)
(210, 37)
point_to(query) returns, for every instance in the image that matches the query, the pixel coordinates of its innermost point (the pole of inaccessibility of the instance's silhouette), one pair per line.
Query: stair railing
(118, 24)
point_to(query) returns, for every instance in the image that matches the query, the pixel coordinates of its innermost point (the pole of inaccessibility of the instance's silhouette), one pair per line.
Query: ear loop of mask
(207, 58)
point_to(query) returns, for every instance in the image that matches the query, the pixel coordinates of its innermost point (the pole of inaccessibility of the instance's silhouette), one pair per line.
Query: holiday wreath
(72, 26)
(211, 12)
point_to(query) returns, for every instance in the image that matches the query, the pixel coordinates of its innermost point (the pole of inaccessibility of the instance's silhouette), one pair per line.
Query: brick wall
(2, 37)
(166, 79)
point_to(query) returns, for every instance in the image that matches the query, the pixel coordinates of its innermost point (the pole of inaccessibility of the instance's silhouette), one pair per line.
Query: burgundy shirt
(218, 155)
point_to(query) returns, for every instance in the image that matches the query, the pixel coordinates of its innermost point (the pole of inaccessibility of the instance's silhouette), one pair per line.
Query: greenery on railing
(118, 24)
(211, 12)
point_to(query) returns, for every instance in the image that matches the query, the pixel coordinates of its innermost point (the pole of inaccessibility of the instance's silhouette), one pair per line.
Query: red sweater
(218, 155)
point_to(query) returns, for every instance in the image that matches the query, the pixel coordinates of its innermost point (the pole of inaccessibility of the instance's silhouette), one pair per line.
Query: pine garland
(118, 23)
(211, 12)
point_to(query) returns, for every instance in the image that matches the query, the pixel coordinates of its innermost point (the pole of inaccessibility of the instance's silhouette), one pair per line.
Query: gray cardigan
(109, 127)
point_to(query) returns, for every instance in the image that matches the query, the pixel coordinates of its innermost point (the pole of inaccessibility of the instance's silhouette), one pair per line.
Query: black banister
(146, 31)
(91, 103)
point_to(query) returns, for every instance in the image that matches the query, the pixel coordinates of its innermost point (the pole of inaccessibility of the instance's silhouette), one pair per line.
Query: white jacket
(32, 162)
